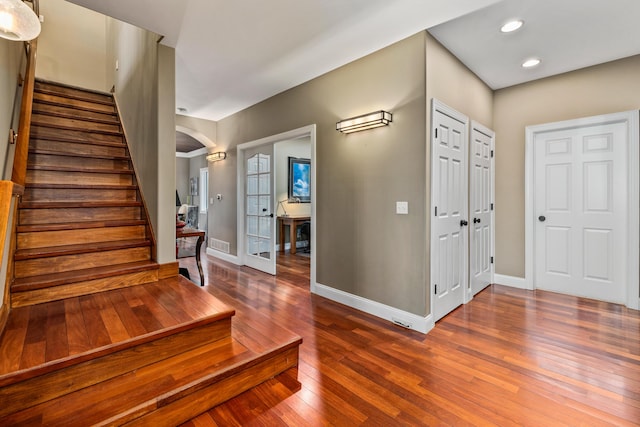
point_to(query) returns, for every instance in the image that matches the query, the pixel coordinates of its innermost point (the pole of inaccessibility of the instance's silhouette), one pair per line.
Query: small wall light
(364, 122)
(217, 156)
(18, 21)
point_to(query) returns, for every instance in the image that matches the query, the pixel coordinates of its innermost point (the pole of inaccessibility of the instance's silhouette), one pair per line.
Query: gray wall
(145, 91)
(363, 247)
(71, 46)
(12, 60)
(182, 178)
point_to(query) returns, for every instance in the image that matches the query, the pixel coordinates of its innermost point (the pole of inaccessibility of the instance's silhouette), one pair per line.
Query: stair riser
(79, 162)
(44, 132)
(182, 407)
(77, 195)
(43, 239)
(65, 177)
(54, 293)
(64, 381)
(37, 96)
(57, 264)
(66, 91)
(78, 148)
(46, 108)
(44, 216)
(64, 123)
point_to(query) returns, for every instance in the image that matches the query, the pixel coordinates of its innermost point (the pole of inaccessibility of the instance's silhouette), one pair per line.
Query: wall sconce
(364, 122)
(217, 156)
(18, 21)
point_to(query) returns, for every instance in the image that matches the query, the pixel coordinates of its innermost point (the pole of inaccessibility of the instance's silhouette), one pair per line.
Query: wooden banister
(19, 173)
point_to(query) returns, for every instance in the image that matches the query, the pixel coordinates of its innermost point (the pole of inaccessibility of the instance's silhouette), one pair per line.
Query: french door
(259, 219)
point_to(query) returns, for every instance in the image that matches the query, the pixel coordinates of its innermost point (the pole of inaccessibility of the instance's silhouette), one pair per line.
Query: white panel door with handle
(481, 207)
(449, 242)
(580, 209)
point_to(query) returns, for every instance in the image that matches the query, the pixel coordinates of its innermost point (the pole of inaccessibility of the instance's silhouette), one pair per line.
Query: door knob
(542, 218)
(463, 223)
(476, 220)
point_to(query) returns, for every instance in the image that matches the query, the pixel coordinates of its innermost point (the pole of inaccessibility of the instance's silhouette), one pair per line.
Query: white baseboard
(514, 282)
(233, 259)
(394, 315)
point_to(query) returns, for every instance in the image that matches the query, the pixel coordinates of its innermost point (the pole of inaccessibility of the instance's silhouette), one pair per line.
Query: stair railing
(14, 189)
(19, 172)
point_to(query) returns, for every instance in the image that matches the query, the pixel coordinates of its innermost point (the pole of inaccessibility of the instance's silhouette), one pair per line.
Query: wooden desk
(190, 232)
(293, 222)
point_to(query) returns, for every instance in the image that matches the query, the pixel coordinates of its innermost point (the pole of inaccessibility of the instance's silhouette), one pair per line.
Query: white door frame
(492, 185)
(631, 119)
(305, 131)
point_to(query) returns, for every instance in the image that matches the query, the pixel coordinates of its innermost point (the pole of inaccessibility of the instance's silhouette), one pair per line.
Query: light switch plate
(402, 208)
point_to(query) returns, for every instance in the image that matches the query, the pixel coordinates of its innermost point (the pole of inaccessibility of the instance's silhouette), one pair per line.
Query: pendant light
(18, 21)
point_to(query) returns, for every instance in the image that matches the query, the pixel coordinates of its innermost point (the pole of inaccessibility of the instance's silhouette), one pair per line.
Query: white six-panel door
(449, 204)
(481, 207)
(580, 208)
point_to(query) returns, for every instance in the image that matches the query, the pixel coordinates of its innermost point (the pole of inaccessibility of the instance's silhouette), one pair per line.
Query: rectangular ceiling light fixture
(216, 157)
(364, 122)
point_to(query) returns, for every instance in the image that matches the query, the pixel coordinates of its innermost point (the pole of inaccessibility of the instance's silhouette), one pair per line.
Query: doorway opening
(261, 193)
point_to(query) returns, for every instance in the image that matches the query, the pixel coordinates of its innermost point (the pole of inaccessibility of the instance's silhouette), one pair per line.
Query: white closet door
(481, 212)
(449, 203)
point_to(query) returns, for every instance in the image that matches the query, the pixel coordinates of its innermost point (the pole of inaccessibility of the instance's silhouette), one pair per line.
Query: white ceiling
(233, 54)
(565, 34)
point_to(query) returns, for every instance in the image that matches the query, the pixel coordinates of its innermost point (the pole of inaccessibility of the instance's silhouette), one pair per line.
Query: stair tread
(48, 100)
(52, 251)
(67, 205)
(81, 186)
(51, 91)
(258, 349)
(68, 154)
(194, 305)
(35, 121)
(78, 140)
(78, 225)
(79, 169)
(56, 279)
(113, 121)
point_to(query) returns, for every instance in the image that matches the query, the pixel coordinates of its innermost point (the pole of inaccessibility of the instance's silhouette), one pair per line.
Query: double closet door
(462, 203)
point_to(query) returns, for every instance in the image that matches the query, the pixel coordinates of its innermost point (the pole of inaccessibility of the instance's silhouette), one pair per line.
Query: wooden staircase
(93, 336)
(82, 224)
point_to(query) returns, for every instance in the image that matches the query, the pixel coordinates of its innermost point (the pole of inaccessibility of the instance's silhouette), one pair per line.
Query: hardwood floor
(510, 357)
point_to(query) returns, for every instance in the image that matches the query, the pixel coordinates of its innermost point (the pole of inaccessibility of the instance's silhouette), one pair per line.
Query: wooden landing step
(154, 354)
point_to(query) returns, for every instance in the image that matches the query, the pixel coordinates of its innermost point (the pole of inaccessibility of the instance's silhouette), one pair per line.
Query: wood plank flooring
(510, 357)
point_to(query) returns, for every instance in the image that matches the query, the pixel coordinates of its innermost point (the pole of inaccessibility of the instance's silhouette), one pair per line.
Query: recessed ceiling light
(511, 26)
(530, 63)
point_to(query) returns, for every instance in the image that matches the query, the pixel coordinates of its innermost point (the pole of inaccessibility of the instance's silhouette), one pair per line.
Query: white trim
(223, 256)
(631, 118)
(392, 314)
(512, 281)
(439, 106)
